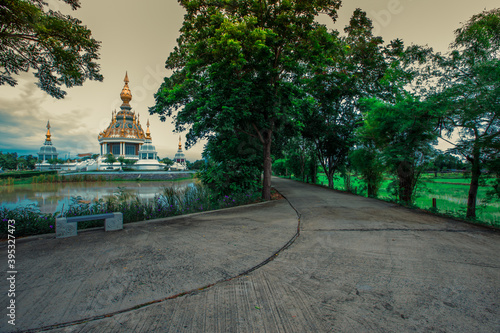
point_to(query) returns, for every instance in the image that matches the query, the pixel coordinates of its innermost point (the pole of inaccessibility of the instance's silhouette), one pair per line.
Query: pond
(56, 197)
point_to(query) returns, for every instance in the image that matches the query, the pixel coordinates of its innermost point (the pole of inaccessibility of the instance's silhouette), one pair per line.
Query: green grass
(451, 198)
(448, 180)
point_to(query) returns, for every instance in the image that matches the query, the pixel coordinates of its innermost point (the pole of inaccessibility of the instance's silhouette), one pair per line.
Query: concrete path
(359, 265)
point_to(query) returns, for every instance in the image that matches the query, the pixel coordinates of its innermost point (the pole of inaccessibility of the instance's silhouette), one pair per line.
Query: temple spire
(180, 144)
(48, 135)
(148, 133)
(126, 95)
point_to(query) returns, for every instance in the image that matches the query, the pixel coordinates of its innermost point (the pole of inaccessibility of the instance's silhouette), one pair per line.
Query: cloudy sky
(137, 37)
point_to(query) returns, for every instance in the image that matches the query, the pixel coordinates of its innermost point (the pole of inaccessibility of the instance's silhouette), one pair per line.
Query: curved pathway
(358, 265)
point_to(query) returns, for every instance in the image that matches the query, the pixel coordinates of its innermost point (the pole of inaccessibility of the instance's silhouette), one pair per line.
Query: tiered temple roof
(124, 124)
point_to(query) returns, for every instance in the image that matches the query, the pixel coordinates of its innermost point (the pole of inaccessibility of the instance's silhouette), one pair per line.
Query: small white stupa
(179, 159)
(47, 152)
(148, 157)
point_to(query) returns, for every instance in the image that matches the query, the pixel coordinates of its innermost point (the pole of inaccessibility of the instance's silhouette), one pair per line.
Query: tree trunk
(347, 181)
(405, 176)
(371, 190)
(266, 182)
(330, 179)
(302, 167)
(314, 175)
(326, 165)
(474, 185)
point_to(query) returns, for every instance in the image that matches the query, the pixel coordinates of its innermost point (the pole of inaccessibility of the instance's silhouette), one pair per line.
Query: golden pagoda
(124, 135)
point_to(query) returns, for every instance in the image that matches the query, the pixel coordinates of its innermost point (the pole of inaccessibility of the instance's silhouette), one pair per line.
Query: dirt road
(358, 265)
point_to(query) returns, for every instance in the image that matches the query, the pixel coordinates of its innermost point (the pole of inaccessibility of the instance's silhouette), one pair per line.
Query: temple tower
(124, 135)
(179, 157)
(47, 151)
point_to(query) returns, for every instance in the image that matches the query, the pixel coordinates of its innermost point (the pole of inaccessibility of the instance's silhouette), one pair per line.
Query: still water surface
(55, 197)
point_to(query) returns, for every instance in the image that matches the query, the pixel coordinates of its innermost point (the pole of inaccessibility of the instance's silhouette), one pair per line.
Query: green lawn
(451, 198)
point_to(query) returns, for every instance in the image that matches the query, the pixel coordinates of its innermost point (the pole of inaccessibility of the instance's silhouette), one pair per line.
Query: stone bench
(67, 226)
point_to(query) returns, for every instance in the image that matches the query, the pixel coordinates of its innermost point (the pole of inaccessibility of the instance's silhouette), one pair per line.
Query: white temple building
(125, 137)
(47, 152)
(148, 157)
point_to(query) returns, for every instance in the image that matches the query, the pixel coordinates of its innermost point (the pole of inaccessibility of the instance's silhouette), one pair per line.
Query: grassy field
(452, 199)
(448, 189)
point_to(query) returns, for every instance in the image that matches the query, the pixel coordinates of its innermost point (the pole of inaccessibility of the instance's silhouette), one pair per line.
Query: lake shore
(132, 175)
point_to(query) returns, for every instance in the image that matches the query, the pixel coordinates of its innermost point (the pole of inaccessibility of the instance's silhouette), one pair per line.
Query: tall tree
(404, 131)
(329, 123)
(470, 94)
(367, 160)
(236, 66)
(58, 47)
(297, 153)
(356, 67)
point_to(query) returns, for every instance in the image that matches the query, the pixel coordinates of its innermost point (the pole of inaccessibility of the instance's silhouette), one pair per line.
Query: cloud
(21, 113)
(24, 112)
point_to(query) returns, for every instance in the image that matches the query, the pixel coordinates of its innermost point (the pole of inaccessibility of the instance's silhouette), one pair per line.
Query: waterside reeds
(172, 201)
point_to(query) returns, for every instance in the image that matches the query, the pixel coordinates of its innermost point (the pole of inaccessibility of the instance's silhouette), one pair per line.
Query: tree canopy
(263, 79)
(404, 133)
(236, 65)
(469, 93)
(57, 47)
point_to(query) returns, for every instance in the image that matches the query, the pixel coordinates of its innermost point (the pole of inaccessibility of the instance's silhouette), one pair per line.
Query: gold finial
(180, 144)
(48, 132)
(126, 95)
(148, 133)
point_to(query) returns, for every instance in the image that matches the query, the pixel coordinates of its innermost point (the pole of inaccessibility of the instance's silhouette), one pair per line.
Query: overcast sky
(137, 37)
